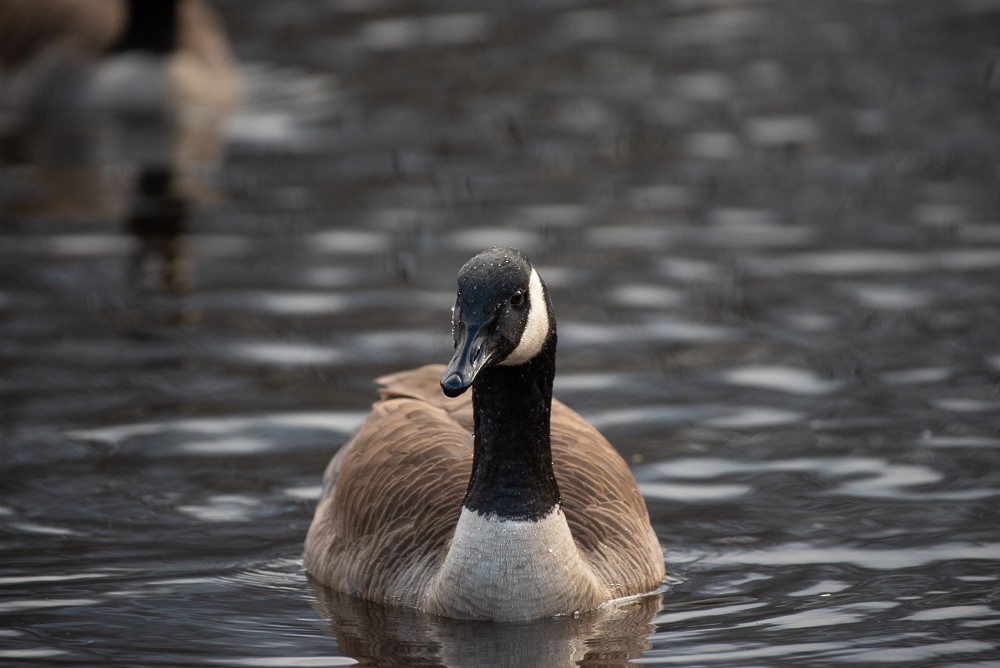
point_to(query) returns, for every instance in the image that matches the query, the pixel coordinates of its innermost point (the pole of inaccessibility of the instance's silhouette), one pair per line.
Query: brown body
(392, 500)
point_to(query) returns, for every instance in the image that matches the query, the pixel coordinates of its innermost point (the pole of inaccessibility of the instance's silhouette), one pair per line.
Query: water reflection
(782, 379)
(377, 635)
(158, 221)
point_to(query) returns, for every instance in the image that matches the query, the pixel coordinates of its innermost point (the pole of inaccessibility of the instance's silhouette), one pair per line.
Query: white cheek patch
(536, 329)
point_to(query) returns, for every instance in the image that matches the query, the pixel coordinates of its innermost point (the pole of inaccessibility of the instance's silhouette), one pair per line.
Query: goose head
(502, 317)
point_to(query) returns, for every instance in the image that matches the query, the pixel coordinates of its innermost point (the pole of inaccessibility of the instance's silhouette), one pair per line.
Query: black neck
(512, 475)
(151, 27)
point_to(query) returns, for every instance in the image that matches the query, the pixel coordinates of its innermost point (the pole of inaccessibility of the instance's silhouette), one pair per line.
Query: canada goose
(508, 507)
(135, 82)
(73, 56)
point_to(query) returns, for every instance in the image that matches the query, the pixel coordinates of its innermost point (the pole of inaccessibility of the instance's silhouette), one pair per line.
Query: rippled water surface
(772, 235)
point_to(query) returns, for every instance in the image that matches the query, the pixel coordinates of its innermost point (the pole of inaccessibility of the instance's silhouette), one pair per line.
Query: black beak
(472, 352)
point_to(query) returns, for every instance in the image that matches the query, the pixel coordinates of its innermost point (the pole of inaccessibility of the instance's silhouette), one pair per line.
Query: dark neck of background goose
(151, 27)
(512, 475)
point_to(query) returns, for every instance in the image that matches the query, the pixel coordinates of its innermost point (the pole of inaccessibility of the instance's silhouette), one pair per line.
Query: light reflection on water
(776, 290)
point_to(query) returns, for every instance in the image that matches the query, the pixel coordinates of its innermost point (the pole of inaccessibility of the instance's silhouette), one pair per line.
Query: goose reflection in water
(158, 221)
(377, 635)
(158, 276)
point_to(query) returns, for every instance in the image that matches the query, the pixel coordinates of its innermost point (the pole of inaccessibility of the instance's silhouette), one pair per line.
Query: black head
(502, 316)
(151, 27)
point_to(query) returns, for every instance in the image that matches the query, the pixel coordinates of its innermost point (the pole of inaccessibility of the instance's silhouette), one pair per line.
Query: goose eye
(517, 298)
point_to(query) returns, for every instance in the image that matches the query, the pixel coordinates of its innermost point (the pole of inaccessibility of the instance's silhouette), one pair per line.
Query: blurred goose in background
(157, 75)
(508, 507)
(114, 55)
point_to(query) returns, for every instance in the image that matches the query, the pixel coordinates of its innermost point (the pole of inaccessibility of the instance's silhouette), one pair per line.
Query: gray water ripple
(792, 554)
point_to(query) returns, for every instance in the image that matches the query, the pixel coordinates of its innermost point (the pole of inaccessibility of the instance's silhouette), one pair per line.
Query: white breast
(513, 571)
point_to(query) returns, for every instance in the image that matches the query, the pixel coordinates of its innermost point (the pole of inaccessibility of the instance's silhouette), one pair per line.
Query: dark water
(772, 235)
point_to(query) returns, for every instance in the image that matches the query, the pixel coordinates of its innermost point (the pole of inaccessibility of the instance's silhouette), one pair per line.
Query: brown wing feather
(401, 479)
(392, 496)
(603, 506)
(424, 384)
